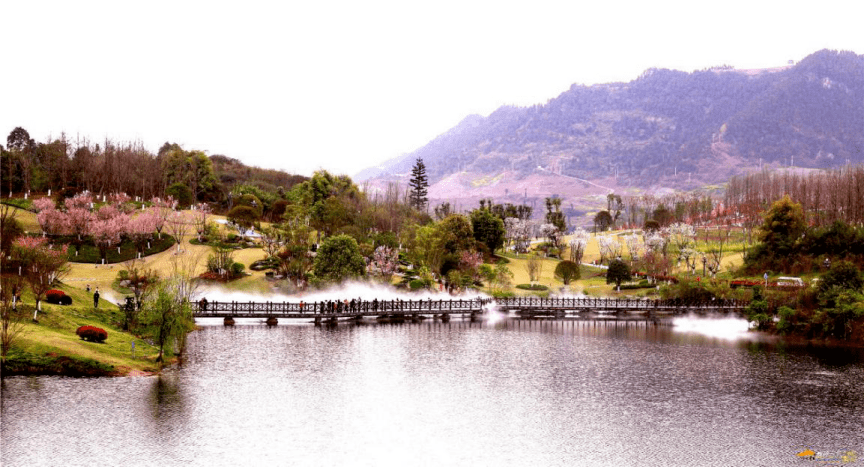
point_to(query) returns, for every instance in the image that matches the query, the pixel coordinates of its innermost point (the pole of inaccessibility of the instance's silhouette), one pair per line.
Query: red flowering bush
(54, 295)
(91, 334)
(57, 297)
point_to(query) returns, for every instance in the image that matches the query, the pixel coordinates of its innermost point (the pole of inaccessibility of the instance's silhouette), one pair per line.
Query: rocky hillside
(665, 130)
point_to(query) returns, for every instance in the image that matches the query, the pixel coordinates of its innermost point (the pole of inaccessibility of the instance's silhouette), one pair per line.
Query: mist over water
(720, 327)
(347, 291)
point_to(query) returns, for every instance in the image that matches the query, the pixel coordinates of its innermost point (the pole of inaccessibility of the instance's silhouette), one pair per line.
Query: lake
(507, 392)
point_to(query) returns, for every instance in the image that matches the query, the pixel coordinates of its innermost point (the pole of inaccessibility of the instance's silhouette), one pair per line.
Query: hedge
(92, 334)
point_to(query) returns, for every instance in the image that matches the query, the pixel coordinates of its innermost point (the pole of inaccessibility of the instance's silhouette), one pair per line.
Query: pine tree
(419, 186)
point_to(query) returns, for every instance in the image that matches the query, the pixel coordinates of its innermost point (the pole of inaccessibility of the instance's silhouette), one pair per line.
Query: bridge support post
(272, 321)
(318, 321)
(445, 318)
(228, 321)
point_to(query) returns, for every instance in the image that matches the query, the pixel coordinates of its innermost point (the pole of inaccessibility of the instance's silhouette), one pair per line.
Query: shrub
(91, 334)
(416, 284)
(54, 296)
(65, 300)
(237, 269)
(532, 287)
(567, 271)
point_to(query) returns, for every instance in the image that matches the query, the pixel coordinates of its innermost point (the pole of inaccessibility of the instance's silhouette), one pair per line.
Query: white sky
(345, 85)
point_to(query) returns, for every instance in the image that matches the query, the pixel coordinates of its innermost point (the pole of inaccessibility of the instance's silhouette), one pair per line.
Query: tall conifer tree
(419, 186)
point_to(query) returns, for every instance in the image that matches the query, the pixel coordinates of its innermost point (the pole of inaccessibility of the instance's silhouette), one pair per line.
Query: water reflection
(507, 392)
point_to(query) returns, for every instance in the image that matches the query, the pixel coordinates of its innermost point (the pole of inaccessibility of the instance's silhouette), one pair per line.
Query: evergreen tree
(419, 186)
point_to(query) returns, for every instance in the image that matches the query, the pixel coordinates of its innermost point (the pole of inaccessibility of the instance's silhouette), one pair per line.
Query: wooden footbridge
(526, 307)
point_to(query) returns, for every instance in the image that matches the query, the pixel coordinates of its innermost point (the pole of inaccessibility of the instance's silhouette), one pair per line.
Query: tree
(618, 272)
(534, 268)
(41, 266)
(488, 229)
(338, 259)
(166, 315)
(567, 271)
(553, 235)
(11, 319)
(108, 233)
(178, 226)
(443, 210)
(456, 234)
(554, 215)
(182, 193)
(419, 186)
(782, 228)
(385, 262)
(578, 241)
(602, 221)
(295, 259)
(10, 229)
(200, 214)
(842, 275)
(244, 217)
(22, 147)
(140, 229)
(518, 233)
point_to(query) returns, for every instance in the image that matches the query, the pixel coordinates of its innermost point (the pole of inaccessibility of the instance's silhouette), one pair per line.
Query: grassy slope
(52, 345)
(55, 333)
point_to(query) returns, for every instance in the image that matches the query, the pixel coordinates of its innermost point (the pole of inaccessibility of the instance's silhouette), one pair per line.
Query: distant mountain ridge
(665, 129)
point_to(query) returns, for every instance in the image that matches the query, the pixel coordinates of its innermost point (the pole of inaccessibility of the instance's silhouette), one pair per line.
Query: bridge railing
(341, 307)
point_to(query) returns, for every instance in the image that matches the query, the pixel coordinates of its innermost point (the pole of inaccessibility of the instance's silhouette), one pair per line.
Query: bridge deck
(523, 306)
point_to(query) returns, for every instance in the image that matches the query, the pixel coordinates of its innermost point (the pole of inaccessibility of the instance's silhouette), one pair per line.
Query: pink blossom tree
(43, 204)
(79, 220)
(81, 200)
(40, 266)
(140, 229)
(163, 210)
(108, 233)
(385, 261)
(200, 214)
(106, 212)
(53, 222)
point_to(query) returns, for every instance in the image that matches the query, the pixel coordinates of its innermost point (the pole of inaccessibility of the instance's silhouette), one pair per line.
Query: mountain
(666, 130)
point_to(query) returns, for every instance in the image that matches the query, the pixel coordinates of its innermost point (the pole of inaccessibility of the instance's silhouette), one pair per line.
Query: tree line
(79, 164)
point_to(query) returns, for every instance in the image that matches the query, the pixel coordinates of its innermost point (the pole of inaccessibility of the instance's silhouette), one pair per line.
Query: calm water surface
(511, 393)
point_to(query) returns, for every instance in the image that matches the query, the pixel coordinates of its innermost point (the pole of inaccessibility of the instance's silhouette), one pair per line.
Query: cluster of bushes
(57, 297)
(92, 334)
(263, 264)
(221, 266)
(835, 308)
(643, 284)
(534, 287)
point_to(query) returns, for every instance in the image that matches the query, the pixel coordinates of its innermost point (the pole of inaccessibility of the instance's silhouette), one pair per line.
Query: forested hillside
(709, 125)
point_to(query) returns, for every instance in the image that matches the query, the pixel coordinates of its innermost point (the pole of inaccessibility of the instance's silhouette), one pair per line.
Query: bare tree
(178, 226)
(11, 319)
(534, 267)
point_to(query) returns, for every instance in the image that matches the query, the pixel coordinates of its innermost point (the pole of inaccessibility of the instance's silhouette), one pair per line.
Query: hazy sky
(344, 85)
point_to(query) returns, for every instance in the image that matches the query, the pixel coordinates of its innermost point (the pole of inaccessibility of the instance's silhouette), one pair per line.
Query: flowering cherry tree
(385, 260)
(43, 204)
(81, 200)
(108, 233)
(578, 241)
(40, 265)
(140, 229)
(163, 209)
(200, 214)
